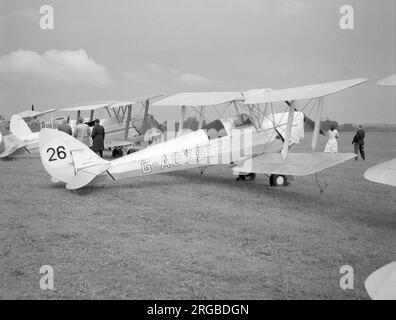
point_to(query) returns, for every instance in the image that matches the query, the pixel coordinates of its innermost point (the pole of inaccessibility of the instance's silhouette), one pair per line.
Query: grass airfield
(183, 236)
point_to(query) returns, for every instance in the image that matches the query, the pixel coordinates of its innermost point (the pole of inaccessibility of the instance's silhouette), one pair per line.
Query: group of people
(358, 142)
(82, 132)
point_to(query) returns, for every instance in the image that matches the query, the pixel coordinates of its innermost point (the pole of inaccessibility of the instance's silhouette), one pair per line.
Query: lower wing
(296, 164)
(384, 173)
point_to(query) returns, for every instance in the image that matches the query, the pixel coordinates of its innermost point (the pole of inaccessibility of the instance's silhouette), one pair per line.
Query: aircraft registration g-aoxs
(256, 144)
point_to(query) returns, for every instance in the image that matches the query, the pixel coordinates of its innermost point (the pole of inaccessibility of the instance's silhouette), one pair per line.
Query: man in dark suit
(65, 127)
(98, 135)
(358, 141)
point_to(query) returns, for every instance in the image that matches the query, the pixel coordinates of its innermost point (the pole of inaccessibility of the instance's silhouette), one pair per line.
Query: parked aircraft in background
(20, 138)
(124, 127)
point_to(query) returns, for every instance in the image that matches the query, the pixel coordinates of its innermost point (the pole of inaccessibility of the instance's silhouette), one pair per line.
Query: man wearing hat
(98, 135)
(358, 141)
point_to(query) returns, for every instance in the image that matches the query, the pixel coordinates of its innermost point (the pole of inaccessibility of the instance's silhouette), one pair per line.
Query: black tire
(277, 180)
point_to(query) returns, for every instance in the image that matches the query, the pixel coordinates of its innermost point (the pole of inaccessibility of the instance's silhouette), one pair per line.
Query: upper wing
(88, 107)
(388, 82)
(296, 164)
(197, 99)
(303, 93)
(384, 173)
(34, 114)
(111, 104)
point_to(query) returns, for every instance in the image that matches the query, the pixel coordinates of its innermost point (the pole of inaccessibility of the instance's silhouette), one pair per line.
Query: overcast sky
(121, 49)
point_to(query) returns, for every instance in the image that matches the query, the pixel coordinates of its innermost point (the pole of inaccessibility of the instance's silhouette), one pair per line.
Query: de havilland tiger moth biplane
(384, 173)
(249, 145)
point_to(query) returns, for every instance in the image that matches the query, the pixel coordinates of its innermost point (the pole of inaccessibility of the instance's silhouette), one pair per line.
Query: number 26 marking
(60, 152)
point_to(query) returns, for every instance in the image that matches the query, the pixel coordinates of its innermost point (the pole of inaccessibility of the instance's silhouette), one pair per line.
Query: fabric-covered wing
(384, 173)
(296, 164)
(197, 99)
(303, 93)
(34, 114)
(88, 107)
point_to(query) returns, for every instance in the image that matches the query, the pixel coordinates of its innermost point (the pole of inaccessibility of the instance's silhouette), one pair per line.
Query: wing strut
(145, 119)
(182, 118)
(317, 123)
(128, 121)
(288, 129)
(201, 117)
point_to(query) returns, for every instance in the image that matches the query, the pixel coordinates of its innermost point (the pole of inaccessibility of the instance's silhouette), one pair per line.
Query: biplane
(123, 126)
(384, 173)
(258, 141)
(20, 137)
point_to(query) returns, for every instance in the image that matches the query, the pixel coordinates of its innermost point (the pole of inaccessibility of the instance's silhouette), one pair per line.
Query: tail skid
(68, 160)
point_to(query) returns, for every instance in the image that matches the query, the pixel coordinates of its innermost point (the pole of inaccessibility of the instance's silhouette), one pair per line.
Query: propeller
(32, 107)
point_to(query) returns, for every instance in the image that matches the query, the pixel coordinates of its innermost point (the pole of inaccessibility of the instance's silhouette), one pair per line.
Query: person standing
(358, 142)
(82, 131)
(332, 144)
(98, 135)
(65, 127)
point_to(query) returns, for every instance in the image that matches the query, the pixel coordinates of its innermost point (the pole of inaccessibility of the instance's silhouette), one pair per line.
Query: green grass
(183, 236)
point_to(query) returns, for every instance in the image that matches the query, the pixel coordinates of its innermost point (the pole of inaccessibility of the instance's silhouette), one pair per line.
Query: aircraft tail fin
(19, 127)
(68, 160)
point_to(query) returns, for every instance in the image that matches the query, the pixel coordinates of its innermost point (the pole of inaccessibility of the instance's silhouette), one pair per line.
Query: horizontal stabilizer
(85, 176)
(296, 164)
(384, 173)
(9, 145)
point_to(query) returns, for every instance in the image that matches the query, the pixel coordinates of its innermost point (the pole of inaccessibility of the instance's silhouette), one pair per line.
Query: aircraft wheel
(278, 181)
(241, 178)
(251, 176)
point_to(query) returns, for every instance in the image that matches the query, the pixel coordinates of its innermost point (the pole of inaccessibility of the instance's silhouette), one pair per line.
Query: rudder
(68, 160)
(19, 127)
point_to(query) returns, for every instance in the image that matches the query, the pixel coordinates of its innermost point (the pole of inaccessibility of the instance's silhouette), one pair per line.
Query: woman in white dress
(332, 144)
